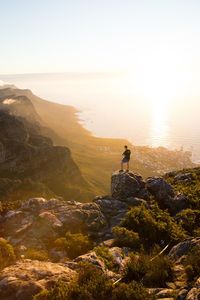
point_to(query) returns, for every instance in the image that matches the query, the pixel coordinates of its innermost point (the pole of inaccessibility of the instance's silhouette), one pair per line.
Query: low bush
(131, 291)
(151, 272)
(192, 263)
(7, 255)
(74, 244)
(103, 252)
(160, 271)
(189, 219)
(126, 238)
(190, 189)
(153, 226)
(36, 254)
(93, 284)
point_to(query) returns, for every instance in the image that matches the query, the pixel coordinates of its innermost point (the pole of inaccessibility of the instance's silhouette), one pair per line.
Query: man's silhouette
(126, 158)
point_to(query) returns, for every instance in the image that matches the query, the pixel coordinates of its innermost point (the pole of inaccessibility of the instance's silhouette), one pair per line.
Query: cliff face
(26, 154)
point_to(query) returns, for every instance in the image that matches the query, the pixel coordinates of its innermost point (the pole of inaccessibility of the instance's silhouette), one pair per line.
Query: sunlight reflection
(159, 132)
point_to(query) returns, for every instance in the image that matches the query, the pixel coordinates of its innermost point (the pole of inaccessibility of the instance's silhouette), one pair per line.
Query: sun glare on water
(158, 81)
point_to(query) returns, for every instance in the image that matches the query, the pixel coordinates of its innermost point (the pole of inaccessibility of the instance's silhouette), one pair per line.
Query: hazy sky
(152, 45)
(100, 35)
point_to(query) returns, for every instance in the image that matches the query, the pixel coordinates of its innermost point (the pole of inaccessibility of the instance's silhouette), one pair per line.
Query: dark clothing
(125, 160)
(127, 155)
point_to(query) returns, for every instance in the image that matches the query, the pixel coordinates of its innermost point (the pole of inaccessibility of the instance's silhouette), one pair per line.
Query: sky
(44, 36)
(140, 57)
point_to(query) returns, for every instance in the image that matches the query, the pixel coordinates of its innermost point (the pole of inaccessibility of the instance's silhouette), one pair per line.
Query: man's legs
(121, 166)
(127, 166)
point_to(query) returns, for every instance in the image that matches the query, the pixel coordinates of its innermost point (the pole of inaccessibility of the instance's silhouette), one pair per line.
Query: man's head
(126, 147)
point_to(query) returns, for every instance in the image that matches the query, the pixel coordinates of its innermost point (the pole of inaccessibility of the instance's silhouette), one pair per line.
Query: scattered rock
(165, 293)
(182, 294)
(91, 258)
(183, 178)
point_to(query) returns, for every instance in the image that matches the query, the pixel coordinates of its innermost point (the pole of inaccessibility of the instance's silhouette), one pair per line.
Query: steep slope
(25, 154)
(98, 157)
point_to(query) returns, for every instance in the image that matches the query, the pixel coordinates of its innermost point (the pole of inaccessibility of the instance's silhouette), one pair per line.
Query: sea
(109, 105)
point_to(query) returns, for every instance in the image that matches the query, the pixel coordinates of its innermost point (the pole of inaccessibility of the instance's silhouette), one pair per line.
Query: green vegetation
(7, 255)
(131, 291)
(189, 219)
(191, 189)
(92, 284)
(74, 244)
(103, 252)
(36, 254)
(126, 238)
(153, 226)
(192, 264)
(151, 272)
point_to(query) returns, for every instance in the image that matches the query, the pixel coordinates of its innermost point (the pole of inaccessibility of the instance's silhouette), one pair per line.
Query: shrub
(190, 189)
(126, 238)
(74, 244)
(153, 226)
(152, 273)
(90, 284)
(103, 252)
(93, 284)
(7, 255)
(160, 271)
(36, 254)
(136, 267)
(192, 263)
(189, 219)
(131, 291)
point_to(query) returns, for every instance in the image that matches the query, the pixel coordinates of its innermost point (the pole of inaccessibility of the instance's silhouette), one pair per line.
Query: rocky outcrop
(133, 190)
(28, 277)
(40, 221)
(126, 184)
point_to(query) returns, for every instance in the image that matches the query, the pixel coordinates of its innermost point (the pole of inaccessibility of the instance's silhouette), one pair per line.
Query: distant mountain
(96, 157)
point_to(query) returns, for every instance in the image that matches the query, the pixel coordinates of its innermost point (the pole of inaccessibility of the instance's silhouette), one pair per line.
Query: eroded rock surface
(28, 277)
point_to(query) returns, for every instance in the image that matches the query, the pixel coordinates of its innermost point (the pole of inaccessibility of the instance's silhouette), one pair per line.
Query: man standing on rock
(126, 158)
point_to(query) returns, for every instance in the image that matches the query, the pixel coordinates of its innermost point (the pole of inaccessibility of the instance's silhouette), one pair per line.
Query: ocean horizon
(109, 106)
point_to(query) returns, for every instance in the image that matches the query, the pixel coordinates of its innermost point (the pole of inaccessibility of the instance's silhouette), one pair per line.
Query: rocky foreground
(38, 223)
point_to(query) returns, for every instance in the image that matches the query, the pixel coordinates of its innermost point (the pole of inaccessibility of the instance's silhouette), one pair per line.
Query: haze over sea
(115, 105)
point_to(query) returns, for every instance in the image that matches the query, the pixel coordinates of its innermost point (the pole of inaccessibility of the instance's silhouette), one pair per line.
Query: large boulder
(126, 184)
(26, 278)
